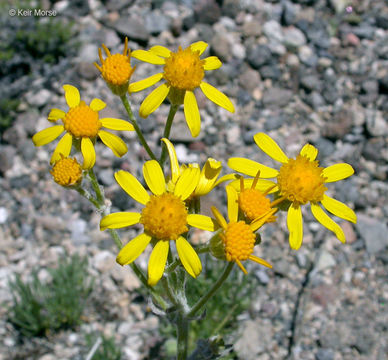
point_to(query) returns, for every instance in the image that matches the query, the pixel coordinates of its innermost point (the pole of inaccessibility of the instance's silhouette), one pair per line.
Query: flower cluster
(171, 207)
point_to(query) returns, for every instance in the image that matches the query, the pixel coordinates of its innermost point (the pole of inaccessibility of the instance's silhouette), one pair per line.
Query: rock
(324, 294)
(233, 135)
(315, 100)
(382, 20)
(310, 82)
(106, 177)
(252, 28)
(277, 97)
(293, 38)
(78, 229)
(273, 31)
(253, 340)
(133, 28)
(376, 124)
(156, 22)
(3, 215)
(88, 53)
(104, 261)
(231, 8)
(307, 56)
(20, 182)
(339, 125)
(324, 354)
(373, 232)
(38, 98)
(221, 47)
(207, 11)
(270, 72)
(326, 260)
(87, 70)
(258, 55)
(339, 5)
(249, 80)
(7, 154)
(274, 122)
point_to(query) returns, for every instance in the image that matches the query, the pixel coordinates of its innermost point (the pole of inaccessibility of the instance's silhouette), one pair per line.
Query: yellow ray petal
(55, 115)
(133, 249)
(154, 177)
(117, 124)
(219, 218)
(63, 147)
(72, 95)
(226, 178)
(212, 63)
(232, 196)
(337, 172)
(113, 142)
(260, 261)
(132, 186)
(250, 167)
(208, 177)
(161, 51)
(261, 185)
(88, 152)
(262, 219)
(295, 226)
(339, 209)
(202, 222)
(97, 104)
(192, 115)
(119, 220)
(309, 151)
(47, 135)
(188, 257)
(187, 182)
(145, 83)
(269, 146)
(175, 170)
(327, 222)
(153, 100)
(217, 96)
(199, 46)
(241, 266)
(157, 261)
(148, 57)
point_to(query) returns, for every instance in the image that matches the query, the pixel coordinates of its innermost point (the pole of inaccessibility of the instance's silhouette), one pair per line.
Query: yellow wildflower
(301, 180)
(67, 172)
(183, 72)
(116, 69)
(164, 218)
(82, 123)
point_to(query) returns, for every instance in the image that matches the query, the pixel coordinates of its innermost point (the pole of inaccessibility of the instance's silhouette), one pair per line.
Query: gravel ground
(302, 71)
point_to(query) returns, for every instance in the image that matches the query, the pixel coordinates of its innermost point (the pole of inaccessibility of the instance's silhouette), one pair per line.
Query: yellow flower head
(164, 218)
(239, 237)
(183, 72)
(82, 123)
(301, 181)
(116, 69)
(67, 172)
(208, 178)
(253, 201)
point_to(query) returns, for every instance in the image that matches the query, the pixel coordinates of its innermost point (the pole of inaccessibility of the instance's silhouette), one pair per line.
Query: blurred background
(300, 70)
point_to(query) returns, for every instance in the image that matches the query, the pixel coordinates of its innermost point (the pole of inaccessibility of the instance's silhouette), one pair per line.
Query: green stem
(96, 187)
(182, 327)
(87, 195)
(204, 299)
(99, 203)
(133, 121)
(166, 133)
